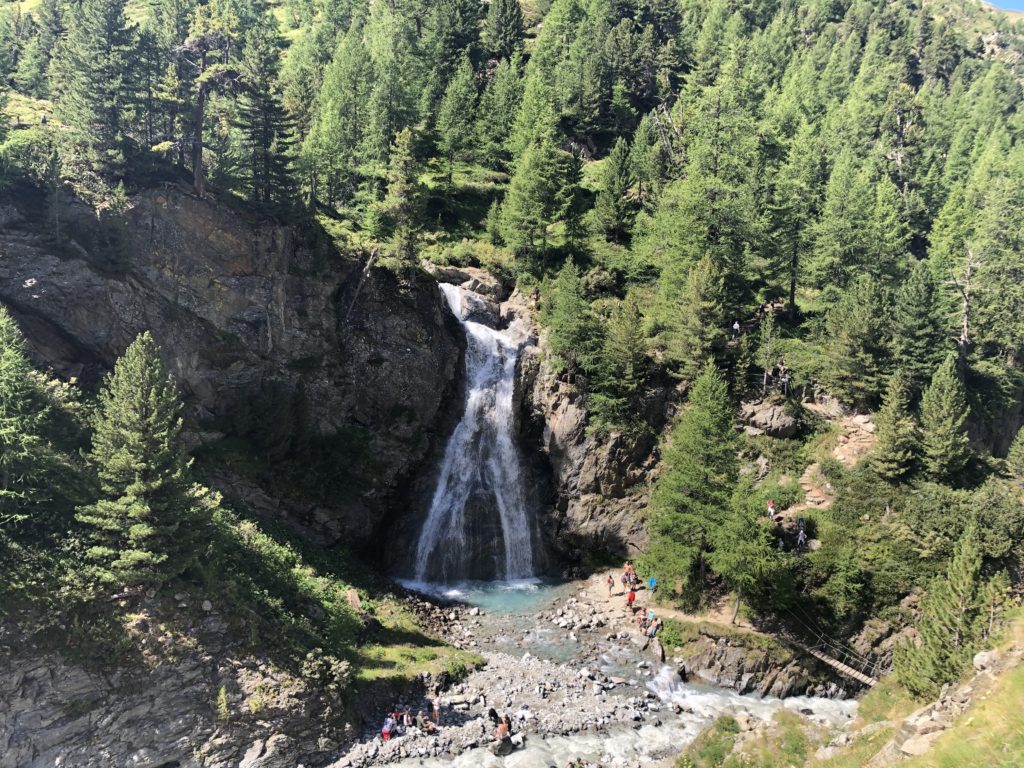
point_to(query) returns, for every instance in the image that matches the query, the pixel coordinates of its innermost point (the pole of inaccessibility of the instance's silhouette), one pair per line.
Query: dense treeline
(842, 179)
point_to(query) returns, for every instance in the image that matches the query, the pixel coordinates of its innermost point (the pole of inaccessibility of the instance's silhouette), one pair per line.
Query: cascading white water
(481, 473)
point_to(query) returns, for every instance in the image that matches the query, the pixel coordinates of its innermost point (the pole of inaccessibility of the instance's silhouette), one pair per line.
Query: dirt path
(597, 590)
(855, 441)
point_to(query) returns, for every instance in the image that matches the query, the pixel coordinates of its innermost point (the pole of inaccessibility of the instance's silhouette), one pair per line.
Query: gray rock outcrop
(729, 663)
(599, 484)
(770, 417)
(188, 702)
(247, 310)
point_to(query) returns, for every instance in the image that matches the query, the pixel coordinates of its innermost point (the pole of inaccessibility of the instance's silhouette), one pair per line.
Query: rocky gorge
(253, 313)
(577, 680)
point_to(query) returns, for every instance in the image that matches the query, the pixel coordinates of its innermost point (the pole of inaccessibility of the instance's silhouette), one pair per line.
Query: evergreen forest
(812, 204)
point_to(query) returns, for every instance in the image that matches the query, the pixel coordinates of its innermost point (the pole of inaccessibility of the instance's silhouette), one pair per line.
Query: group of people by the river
(647, 623)
(400, 722)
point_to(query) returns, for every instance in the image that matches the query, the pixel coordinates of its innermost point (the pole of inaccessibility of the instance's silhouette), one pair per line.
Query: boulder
(985, 659)
(916, 746)
(770, 417)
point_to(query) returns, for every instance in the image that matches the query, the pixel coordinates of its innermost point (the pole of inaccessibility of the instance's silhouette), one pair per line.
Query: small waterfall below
(479, 525)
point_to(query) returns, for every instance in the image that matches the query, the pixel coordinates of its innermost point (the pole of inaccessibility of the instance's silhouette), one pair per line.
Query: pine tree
(612, 209)
(503, 28)
(954, 617)
(532, 198)
(49, 15)
(456, 116)
(146, 517)
(89, 82)
(888, 231)
(712, 211)
(402, 207)
(572, 198)
(390, 41)
(265, 126)
(30, 77)
(330, 151)
(996, 245)
(743, 554)
(856, 344)
(842, 236)
(693, 327)
(647, 159)
(449, 35)
(793, 209)
(499, 101)
(206, 49)
(492, 224)
(1015, 456)
(22, 416)
(571, 328)
(944, 411)
(898, 439)
(620, 367)
(918, 337)
(689, 501)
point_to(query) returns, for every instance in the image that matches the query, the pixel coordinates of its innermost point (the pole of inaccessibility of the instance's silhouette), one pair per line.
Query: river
(585, 693)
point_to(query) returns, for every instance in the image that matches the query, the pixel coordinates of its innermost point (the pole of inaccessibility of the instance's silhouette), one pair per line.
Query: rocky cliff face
(246, 309)
(727, 662)
(599, 484)
(189, 700)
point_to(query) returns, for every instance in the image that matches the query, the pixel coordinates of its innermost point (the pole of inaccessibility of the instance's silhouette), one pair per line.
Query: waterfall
(478, 526)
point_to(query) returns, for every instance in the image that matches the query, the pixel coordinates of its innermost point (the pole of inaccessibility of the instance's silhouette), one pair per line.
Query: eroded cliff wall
(245, 310)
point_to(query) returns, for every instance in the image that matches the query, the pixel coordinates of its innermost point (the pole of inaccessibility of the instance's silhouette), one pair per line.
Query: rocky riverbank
(568, 670)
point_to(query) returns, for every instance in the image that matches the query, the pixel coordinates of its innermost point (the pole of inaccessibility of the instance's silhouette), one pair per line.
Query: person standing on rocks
(631, 598)
(388, 729)
(611, 584)
(435, 703)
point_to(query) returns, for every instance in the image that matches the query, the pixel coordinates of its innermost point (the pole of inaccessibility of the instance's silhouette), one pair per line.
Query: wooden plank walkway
(844, 669)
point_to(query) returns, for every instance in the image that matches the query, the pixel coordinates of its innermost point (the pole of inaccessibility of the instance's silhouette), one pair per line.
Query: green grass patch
(676, 633)
(711, 748)
(786, 744)
(858, 752)
(26, 112)
(885, 701)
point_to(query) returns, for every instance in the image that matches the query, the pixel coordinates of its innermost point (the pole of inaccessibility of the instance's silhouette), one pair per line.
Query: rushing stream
(525, 650)
(478, 526)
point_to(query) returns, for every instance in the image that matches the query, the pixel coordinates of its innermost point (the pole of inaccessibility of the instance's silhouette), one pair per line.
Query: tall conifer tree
(899, 442)
(918, 334)
(90, 82)
(456, 115)
(944, 411)
(145, 520)
(22, 417)
(265, 125)
(693, 327)
(690, 499)
(612, 209)
(503, 28)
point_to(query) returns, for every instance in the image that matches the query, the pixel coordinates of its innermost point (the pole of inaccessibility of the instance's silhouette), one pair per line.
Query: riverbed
(574, 676)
